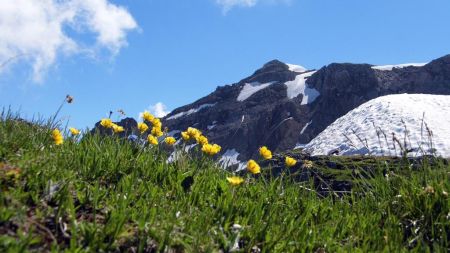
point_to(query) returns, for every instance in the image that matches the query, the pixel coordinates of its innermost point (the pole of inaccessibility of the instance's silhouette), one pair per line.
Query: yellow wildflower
(185, 136)
(253, 167)
(74, 131)
(156, 123)
(235, 180)
(290, 161)
(152, 139)
(202, 140)
(57, 137)
(156, 132)
(117, 129)
(265, 152)
(148, 116)
(142, 127)
(193, 132)
(106, 123)
(170, 141)
(211, 149)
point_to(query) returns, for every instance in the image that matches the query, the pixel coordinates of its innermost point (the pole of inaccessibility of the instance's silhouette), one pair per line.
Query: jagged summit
(281, 105)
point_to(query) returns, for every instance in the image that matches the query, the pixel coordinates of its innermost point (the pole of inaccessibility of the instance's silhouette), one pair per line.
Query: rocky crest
(283, 106)
(268, 116)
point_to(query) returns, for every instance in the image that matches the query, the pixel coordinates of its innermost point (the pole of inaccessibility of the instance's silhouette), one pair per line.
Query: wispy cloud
(36, 30)
(227, 5)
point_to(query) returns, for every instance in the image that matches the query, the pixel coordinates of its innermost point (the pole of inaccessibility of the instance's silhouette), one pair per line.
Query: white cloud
(159, 110)
(36, 30)
(227, 5)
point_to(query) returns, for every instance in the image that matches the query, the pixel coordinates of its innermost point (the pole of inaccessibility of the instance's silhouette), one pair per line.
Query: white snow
(213, 125)
(251, 88)
(304, 128)
(191, 111)
(298, 86)
(369, 128)
(296, 68)
(229, 158)
(178, 153)
(300, 145)
(390, 67)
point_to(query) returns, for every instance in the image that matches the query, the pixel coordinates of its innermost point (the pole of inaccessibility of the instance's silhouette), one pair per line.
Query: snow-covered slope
(382, 125)
(298, 86)
(251, 88)
(398, 66)
(296, 68)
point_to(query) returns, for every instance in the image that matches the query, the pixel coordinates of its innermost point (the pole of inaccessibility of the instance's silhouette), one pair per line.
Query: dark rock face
(129, 125)
(268, 117)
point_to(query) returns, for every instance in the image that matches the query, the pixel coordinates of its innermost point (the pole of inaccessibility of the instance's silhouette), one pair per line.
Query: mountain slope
(390, 125)
(283, 105)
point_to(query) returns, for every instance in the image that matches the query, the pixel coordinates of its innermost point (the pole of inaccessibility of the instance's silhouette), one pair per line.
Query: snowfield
(296, 68)
(191, 111)
(298, 86)
(399, 66)
(251, 88)
(369, 129)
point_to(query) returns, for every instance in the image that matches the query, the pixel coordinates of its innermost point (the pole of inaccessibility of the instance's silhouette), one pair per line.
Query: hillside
(106, 194)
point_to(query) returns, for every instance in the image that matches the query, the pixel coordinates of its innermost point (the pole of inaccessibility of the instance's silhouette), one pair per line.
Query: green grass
(110, 195)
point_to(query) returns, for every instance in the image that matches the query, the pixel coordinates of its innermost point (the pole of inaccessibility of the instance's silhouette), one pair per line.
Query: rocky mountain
(283, 106)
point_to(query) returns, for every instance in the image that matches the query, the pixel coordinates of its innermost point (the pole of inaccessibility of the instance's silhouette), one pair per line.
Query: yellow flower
(106, 123)
(170, 141)
(117, 128)
(156, 123)
(210, 149)
(74, 131)
(142, 127)
(253, 167)
(148, 116)
(152, 139)
(307, 164)
(57, 137)
(235, 180)
(265, 152)
(156, 132)
(202, 140)
(185, 136)
(290, 161)
(193, 132)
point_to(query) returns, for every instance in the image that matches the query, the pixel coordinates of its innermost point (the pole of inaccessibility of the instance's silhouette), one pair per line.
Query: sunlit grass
(108, 194)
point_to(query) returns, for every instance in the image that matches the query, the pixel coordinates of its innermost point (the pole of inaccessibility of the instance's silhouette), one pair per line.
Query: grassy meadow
(106, 194)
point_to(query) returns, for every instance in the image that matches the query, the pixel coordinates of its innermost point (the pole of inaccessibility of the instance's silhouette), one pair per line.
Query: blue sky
(177, 51)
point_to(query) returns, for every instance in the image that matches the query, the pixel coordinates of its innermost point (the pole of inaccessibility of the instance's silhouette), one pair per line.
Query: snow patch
(369, 128)
(304, 128)
(300, 145)
(296, 68)
(191, 111)
(298, 86)
(178, 153)
(251, 88)
(230, 158)
(398, 66)
(213, 125)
